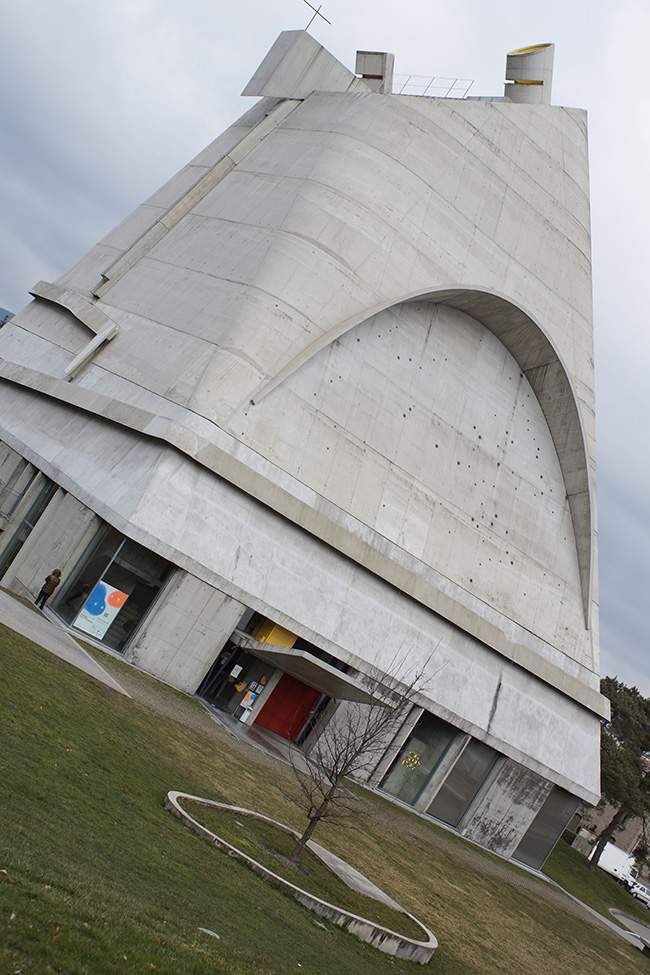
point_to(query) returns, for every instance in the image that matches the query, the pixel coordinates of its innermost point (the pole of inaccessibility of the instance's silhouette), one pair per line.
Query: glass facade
(418, 758)
(463, 782)
(111, 589)
(545, 830)
(234, 675)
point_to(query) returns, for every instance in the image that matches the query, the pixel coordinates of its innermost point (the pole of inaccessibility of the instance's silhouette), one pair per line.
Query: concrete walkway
(52, 637)
(628, 935)
(352, 877)
(265, 741)
(640, 929)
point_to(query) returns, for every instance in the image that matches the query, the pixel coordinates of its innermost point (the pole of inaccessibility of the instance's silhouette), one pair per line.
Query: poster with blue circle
(100, 609)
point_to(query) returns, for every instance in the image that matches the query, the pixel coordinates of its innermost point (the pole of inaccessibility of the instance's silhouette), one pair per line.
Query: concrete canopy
(306, 668)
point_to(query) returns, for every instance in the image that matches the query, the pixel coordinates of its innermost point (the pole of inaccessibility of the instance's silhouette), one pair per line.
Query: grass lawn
(596, 888)
(96, 877)
(272, 847)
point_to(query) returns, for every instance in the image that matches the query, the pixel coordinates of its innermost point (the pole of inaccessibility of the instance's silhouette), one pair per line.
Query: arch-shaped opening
(539, 361)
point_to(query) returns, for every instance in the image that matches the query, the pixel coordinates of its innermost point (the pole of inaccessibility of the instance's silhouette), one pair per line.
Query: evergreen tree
(624, 743)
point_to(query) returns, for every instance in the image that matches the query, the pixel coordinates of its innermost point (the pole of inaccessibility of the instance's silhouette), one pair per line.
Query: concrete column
(14, 488)
(272, 683)
(393, 748)
(57, 540)
(9, 460)
(320, 726)
(505, 807)
(11, 467)
(449, 759)
(12, 524)
(185, 631)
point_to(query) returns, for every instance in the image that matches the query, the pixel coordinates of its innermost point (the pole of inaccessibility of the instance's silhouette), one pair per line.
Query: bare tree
(350, 746)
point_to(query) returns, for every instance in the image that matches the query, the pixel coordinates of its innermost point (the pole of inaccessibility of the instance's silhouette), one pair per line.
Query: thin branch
(351, 745)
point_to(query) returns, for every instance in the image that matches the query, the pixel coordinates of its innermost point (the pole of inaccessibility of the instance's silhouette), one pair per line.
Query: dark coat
(51, 583)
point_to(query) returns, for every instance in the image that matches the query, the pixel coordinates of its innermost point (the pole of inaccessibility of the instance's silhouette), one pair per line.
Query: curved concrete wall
(420, 424)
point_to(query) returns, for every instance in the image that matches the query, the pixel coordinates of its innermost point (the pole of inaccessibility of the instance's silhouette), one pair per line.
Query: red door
(288, 708)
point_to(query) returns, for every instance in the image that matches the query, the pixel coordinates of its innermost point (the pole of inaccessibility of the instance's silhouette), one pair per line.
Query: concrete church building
(327, 398)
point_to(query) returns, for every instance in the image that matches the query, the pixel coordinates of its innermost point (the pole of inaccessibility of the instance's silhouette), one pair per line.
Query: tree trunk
(311, 826)
(606, 834)
(314, 820)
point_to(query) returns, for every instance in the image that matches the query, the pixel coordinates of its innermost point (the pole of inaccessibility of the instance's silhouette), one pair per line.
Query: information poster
(100, 609)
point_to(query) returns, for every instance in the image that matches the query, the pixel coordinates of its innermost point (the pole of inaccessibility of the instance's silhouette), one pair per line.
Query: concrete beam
(84, 310)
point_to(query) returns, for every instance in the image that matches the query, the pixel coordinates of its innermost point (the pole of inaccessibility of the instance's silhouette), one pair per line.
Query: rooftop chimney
(376, 69)
(529, 74)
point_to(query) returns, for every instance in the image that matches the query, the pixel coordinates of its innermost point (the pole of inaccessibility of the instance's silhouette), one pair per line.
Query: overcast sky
(101, 102)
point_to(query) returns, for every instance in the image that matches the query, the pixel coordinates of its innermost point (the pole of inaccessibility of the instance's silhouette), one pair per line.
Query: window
(463, 782)
(418, 758)
(111, 588)
(545, 830)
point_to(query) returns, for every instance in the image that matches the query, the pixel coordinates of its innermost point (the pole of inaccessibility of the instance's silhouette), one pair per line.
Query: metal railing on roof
(434, 86)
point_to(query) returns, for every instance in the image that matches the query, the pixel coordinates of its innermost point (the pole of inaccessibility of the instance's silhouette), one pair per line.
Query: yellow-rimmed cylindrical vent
(529, 74)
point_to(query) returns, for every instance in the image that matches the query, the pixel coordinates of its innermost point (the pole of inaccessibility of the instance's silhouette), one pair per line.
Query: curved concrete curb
(382, 938)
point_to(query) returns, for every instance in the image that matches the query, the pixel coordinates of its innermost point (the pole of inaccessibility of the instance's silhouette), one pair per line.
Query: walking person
(48, 588)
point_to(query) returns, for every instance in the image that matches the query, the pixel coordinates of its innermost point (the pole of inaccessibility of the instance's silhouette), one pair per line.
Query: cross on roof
(317, 13)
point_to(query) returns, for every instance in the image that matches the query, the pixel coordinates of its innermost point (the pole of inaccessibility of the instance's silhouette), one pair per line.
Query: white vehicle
(618, 863)
(639, 891)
